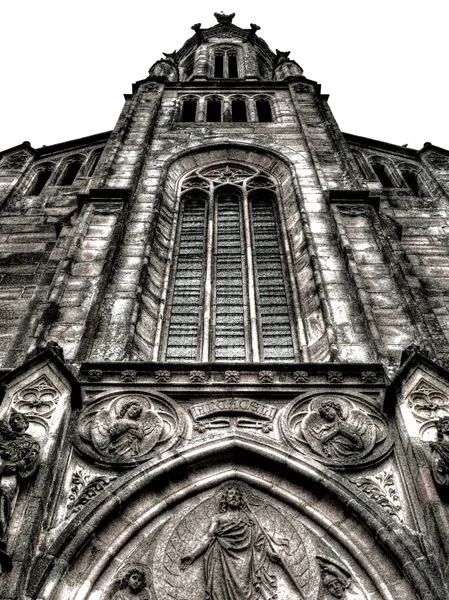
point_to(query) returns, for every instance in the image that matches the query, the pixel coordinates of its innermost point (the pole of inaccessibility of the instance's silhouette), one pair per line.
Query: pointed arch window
(229, 298)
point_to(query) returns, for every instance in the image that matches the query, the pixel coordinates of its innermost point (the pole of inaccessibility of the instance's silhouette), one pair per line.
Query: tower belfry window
(263, 108)
(70, 173)
(238, 107)
(225, 64)
(189, 110)
(39, 182)
(229, 300)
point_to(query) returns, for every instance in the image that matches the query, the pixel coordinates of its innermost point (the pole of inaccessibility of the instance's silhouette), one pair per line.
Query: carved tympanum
(336, 430)
(19, 459)
(132, 584)
(440, 448)
(235, 546)
(127, 428)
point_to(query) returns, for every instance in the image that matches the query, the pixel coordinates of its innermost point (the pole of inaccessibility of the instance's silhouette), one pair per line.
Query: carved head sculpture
(134, 579)
(330, 410)
(442, 428)
(18, 422)
(132, 410)
(333, 585)
(232, 498)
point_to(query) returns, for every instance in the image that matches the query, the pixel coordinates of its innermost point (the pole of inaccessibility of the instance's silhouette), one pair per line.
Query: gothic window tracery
(228, 296)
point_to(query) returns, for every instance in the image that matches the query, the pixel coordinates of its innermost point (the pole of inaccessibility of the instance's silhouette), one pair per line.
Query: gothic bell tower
(224, 347)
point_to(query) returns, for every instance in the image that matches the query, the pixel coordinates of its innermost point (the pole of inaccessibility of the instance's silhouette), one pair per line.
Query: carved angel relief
(336, 430)
(129, 427)
(236, 545)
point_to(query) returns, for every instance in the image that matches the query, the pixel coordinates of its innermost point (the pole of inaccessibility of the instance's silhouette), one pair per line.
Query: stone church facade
(224, 339)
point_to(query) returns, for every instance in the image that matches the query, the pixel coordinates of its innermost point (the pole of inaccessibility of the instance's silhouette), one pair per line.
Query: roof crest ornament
(252, 34)
(224, 19)
(170, 57)
(199, 34)
(282, 56)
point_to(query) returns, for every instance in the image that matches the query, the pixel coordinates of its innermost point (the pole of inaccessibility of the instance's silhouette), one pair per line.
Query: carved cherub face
(335, 588)
(136, 581)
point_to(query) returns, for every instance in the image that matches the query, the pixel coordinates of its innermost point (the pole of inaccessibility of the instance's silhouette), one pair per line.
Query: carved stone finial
(171, 57)
(224, 19)
(57, 349)
(252, 34)
(199, 34)
(281, 56)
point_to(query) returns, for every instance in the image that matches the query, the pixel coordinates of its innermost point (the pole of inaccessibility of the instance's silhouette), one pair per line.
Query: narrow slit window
(382, 175)
(70, 173)
(263, 108)
(40, 180)
(189, 111)
(229, 294)
(213, 114)
(232, 66)
(93, 164)
(186, 309)
(219, 66)
(239, 111)
(276, 339)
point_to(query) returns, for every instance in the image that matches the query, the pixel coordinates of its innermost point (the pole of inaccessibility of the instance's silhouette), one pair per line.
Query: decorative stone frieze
(335, 377)
(336, 429)
(163, 376)
(232, 376)
(197, 376)
(266, 376)
(128, 376)
(368, 377)
(94, 375)
(301, 376)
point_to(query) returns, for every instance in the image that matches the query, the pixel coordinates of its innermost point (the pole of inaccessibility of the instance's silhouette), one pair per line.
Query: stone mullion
(251, 280)
(208, 292)
(252, 113)
(201, 110)
(357, 279)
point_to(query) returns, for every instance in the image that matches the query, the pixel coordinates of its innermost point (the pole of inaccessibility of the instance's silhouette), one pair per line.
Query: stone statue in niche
(335, 430)
(126, 429)
(440, 464)
(19, 459)
(239, 554)
(130, 586)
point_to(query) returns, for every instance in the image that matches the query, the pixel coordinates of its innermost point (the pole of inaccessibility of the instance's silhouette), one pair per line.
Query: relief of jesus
(238, 554)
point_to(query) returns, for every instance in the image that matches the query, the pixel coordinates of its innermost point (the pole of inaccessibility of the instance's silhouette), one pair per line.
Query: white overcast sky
(65, 65)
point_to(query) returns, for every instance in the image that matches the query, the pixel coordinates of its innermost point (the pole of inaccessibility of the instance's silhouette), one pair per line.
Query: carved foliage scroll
(128, 427)
(337, 430)
(381, 488)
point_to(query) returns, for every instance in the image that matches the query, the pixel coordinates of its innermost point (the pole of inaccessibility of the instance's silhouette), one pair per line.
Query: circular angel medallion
(128, 427)
(336, 430)
(236, 545)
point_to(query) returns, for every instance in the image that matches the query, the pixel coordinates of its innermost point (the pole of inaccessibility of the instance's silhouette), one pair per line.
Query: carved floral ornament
(127, 428)
(39, 398)
(427, 402)
(336, 429)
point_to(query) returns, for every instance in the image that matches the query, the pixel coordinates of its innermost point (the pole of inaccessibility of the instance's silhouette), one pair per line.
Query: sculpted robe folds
(237, 564)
